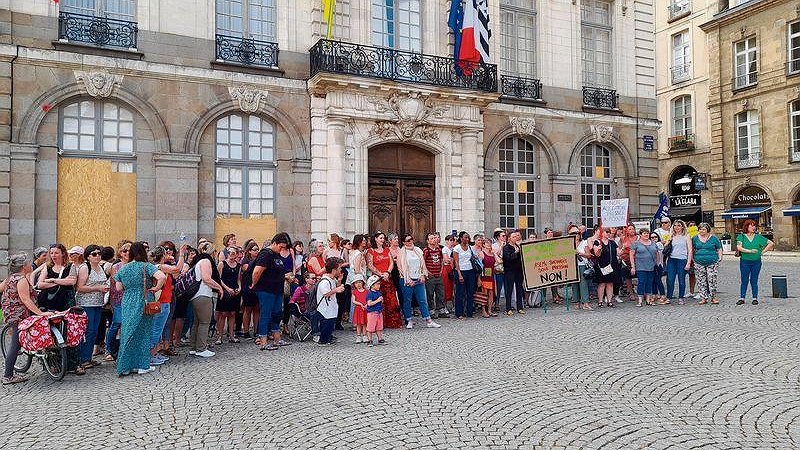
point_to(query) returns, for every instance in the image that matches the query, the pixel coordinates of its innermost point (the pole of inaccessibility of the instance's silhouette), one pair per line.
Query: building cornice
(128, 67)
(736, 13)
(551, 113)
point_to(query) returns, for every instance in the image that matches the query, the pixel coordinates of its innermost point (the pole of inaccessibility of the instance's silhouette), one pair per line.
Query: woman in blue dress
(135, 280)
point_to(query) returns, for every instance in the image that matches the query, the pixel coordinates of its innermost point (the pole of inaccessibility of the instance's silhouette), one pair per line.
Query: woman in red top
(380, 263)
(624, 252)
(316, 260)
(487, 277)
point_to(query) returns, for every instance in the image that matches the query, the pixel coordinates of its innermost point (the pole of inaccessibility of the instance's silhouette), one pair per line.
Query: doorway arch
(402, 190)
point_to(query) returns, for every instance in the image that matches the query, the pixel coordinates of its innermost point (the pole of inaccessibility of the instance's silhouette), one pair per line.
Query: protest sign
(550, 262)
(614, 213)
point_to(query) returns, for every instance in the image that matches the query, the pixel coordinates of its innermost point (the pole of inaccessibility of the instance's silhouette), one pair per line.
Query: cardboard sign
(549, 262)
(614, 213)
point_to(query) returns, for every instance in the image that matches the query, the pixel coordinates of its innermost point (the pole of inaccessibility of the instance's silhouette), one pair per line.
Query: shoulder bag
(150, 308)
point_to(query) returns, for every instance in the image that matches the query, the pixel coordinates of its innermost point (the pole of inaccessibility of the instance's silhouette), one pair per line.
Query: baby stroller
(299, 325)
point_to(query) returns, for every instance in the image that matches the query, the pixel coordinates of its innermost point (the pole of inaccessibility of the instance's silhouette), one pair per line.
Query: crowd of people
(144, 303)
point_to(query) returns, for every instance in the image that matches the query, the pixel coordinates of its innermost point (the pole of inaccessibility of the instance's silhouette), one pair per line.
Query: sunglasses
(409, 240)
(254, 249)
(95, 254)
(124, 250)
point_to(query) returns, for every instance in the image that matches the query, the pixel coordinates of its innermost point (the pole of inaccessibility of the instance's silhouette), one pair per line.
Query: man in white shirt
(327, 307)
(663, 232)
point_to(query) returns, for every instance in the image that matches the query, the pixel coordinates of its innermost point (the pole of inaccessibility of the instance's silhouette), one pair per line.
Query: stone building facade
(200, 118)
(754, 112)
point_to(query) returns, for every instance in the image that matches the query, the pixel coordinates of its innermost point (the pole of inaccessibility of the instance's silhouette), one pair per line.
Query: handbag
(588, 273)
(150, 308)
(667, 252)
(477, 265)
(605, 270)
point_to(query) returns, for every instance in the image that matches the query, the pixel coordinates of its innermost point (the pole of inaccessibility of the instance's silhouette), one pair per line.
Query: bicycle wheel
(55, 362)
(23, 362)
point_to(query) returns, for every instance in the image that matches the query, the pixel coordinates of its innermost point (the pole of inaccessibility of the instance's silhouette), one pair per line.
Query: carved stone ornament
(98, 83)
(523, 125)
(249, 99)
(411, 112)
(602, 133)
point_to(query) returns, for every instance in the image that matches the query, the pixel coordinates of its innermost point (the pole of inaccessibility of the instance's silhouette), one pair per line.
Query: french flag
(470, 24)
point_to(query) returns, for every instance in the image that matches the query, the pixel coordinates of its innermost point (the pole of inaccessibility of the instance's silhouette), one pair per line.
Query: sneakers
(409, 325)
(359, 339)
(740, 302)
(432, 324)
(697, 296)
(144, 371)
(156, 361)
(617, 299)
(369, 343)
(755, 302)
(326, 344)
(204, 354)
(315, 339)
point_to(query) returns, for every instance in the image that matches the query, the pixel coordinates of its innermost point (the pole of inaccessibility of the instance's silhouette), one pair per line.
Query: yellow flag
(328, 8)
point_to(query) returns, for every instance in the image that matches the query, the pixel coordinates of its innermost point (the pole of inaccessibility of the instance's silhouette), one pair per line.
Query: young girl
(374, 311)
(360, 303)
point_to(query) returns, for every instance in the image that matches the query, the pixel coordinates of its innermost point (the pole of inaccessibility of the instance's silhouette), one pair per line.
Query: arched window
(517, 167)
(94, 127)
(245, 169)
(595, 181)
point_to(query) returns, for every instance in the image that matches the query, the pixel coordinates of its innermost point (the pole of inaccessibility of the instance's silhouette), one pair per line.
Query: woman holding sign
(605, 252)
(512, 265)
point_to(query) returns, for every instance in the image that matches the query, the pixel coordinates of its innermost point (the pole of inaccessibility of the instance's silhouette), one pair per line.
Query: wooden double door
(402, 194)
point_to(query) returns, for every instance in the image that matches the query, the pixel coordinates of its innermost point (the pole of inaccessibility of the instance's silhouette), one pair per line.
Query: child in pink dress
(360, 308)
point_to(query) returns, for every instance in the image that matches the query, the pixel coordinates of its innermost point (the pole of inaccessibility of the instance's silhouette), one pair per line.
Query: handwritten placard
(614, 213)
(549, 262)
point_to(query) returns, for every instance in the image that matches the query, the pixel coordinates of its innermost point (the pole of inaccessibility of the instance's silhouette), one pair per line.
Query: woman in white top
(411, 264)
(679, 254)
(203, 303)
(466, 277)
(92, 284)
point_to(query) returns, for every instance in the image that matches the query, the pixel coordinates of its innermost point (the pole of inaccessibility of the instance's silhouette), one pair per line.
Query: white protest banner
(614, 213)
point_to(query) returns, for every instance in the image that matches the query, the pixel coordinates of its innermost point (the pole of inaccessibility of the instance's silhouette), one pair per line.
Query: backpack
(311, 300)
(186, 286)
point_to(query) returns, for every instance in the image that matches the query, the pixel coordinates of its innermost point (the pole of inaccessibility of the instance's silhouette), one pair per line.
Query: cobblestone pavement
(677, 377)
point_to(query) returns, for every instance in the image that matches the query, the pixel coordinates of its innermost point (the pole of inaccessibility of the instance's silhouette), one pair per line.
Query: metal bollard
(779, 287)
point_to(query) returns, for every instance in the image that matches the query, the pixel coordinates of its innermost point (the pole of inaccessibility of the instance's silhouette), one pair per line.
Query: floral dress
(134, 350)
(14, 311)
(391, 307)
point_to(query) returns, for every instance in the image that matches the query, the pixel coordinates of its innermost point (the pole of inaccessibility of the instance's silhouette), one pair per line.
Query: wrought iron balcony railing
(745, 80)
(100, 31)
(399, 65)
(681, 143)
(246, 51)
(793, 66)
(601, 98)
(521, 88)
(681, 72)
(794, 153)
(678, 8)
(749, 160)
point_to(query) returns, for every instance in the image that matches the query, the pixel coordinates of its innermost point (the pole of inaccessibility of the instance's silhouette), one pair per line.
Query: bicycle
(53, 359)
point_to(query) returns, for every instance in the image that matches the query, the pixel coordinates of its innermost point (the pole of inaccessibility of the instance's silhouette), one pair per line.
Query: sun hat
(357, 277)
(665, 220)
(372, 280)
(75, 250)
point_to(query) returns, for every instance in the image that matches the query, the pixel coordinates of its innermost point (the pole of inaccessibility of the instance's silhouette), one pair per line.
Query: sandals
(234, 340)
(270, 347)
(218, 341)
(702, 302)
(109, 358)
(714, 301)
(80, 371)
(283, 343)
(14, 379)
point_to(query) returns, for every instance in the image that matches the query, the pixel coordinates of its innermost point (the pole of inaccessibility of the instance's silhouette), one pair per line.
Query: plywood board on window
(95, 204)
(261, 229)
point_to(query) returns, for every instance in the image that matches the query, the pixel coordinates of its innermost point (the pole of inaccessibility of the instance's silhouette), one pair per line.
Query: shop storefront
(750, 202)
(685, 188)
(794, 212)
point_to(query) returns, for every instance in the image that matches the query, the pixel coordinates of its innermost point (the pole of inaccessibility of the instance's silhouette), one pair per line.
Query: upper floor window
(253, 19)
(245, 166)
(794, 47)
(748, 140)
(682, 116)
(396, 24)
(517, 184)
(518, 38)
(678, 8)
(596, 42)
(681, 57)
(112, 9)
(96, 127)
(745, 63)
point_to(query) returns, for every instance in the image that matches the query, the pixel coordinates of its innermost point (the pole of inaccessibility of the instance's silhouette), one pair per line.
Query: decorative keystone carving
(249, 99)
(523, 125)
(602, 133)
(98, 83)
(411, 112)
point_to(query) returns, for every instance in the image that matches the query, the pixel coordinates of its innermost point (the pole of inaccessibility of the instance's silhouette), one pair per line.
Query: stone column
(335, 188)
(5, 197)
(176, 205)
(319, 165)
(22, 204)
(470, 183)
